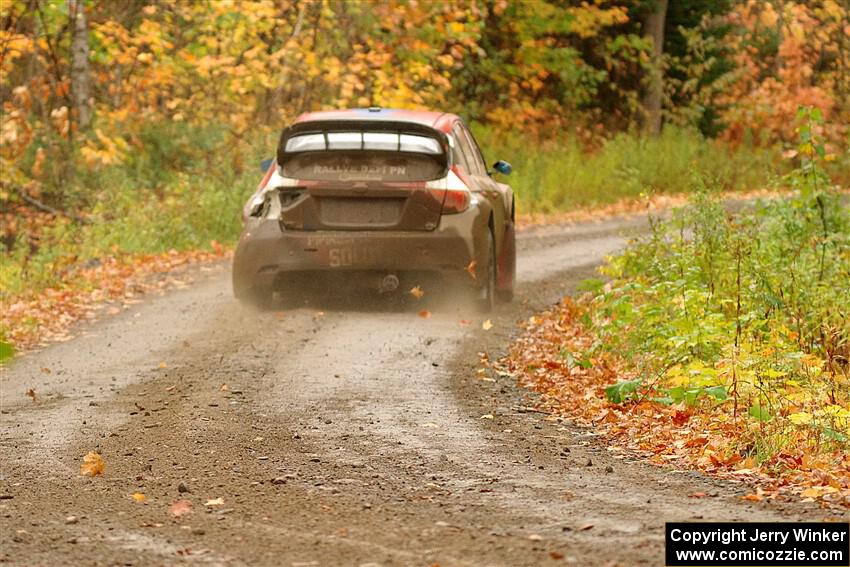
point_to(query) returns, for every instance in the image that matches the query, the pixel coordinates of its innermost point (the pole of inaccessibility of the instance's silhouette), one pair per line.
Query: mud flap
(506, 267)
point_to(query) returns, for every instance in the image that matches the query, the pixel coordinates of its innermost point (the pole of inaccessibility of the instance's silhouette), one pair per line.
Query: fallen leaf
(93, 464)
(214, 502)
(470, 269)
(279, 315)
(425, 314)
(417, 292)
(487, 325)
(556, 555)
(464, 322)
(31, 394)
(487, 416)
(224, 387)
(45, 370)
(138, 497)
(697, 495)
(585, 527)
(753, 497)
(535, 537)
(163, 365)
(180, 507)
(810, 493)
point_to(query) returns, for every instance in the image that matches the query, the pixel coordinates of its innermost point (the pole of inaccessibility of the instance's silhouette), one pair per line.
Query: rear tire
(486, 303)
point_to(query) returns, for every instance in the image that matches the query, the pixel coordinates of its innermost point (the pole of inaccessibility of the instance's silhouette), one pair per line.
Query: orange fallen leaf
(810, 493)
(138, 497)
(425, 314)
(487, 325)
(470, 269)
(279, 315)
(753, 497)
(697, 495)
(224, 387)
(93, 464)
(180, 507)
(31, 394)
(417, 292)
(464, 322)
(163, 365)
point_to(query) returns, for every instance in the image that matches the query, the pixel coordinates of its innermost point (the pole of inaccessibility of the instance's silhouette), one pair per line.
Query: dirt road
(352, 437)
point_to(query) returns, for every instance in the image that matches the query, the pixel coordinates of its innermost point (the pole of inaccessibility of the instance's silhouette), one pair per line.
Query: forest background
(135, 127)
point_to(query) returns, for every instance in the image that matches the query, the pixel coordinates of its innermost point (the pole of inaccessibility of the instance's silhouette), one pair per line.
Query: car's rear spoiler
(328, 126)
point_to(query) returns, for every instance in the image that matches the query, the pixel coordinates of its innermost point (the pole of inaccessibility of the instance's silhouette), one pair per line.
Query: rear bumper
(266, 253)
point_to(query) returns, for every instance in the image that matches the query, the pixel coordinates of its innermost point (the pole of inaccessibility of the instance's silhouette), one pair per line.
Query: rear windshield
(386, 141)
(362, 165)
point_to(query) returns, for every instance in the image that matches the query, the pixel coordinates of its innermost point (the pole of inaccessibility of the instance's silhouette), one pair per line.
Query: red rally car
(379, 198)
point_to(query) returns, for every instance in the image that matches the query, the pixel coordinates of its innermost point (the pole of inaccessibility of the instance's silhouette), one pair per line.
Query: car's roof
(437, 120)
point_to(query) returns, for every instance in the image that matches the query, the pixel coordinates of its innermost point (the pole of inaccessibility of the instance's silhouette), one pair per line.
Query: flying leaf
(93, 464)
(180, 507)
(417, 292)
(425, 314)
(470, 269)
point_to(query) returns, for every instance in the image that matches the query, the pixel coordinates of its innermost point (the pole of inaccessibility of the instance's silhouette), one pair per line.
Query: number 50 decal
(340, 257)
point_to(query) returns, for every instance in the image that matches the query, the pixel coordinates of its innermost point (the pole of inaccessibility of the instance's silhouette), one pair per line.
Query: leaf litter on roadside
(547, 359)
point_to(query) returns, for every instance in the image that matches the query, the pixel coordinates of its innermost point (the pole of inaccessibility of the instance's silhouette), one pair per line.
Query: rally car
(378, 198)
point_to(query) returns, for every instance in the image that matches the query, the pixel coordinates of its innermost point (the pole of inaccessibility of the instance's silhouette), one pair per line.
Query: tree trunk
(80, 89)
(653, 27)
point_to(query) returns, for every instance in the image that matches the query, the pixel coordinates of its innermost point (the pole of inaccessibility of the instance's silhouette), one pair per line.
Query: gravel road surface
(327, 435)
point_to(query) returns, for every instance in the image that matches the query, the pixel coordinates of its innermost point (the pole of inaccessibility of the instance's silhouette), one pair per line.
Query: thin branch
(47, 208)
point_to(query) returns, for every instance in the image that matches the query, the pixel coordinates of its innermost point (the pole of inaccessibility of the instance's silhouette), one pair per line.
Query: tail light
(452, 191)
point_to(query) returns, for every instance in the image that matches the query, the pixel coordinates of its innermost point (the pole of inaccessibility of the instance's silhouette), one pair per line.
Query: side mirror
(503, 167)
(265, 164)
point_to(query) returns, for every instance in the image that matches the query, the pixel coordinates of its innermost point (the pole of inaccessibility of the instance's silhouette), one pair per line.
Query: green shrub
(559, 175)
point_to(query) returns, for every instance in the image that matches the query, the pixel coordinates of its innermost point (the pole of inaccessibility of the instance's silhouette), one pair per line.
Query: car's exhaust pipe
(389, 283)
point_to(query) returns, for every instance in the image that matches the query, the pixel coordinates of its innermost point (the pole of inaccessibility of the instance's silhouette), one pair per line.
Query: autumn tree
(80, 90)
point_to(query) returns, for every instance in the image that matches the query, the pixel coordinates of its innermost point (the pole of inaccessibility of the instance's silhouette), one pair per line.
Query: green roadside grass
(720, 341)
